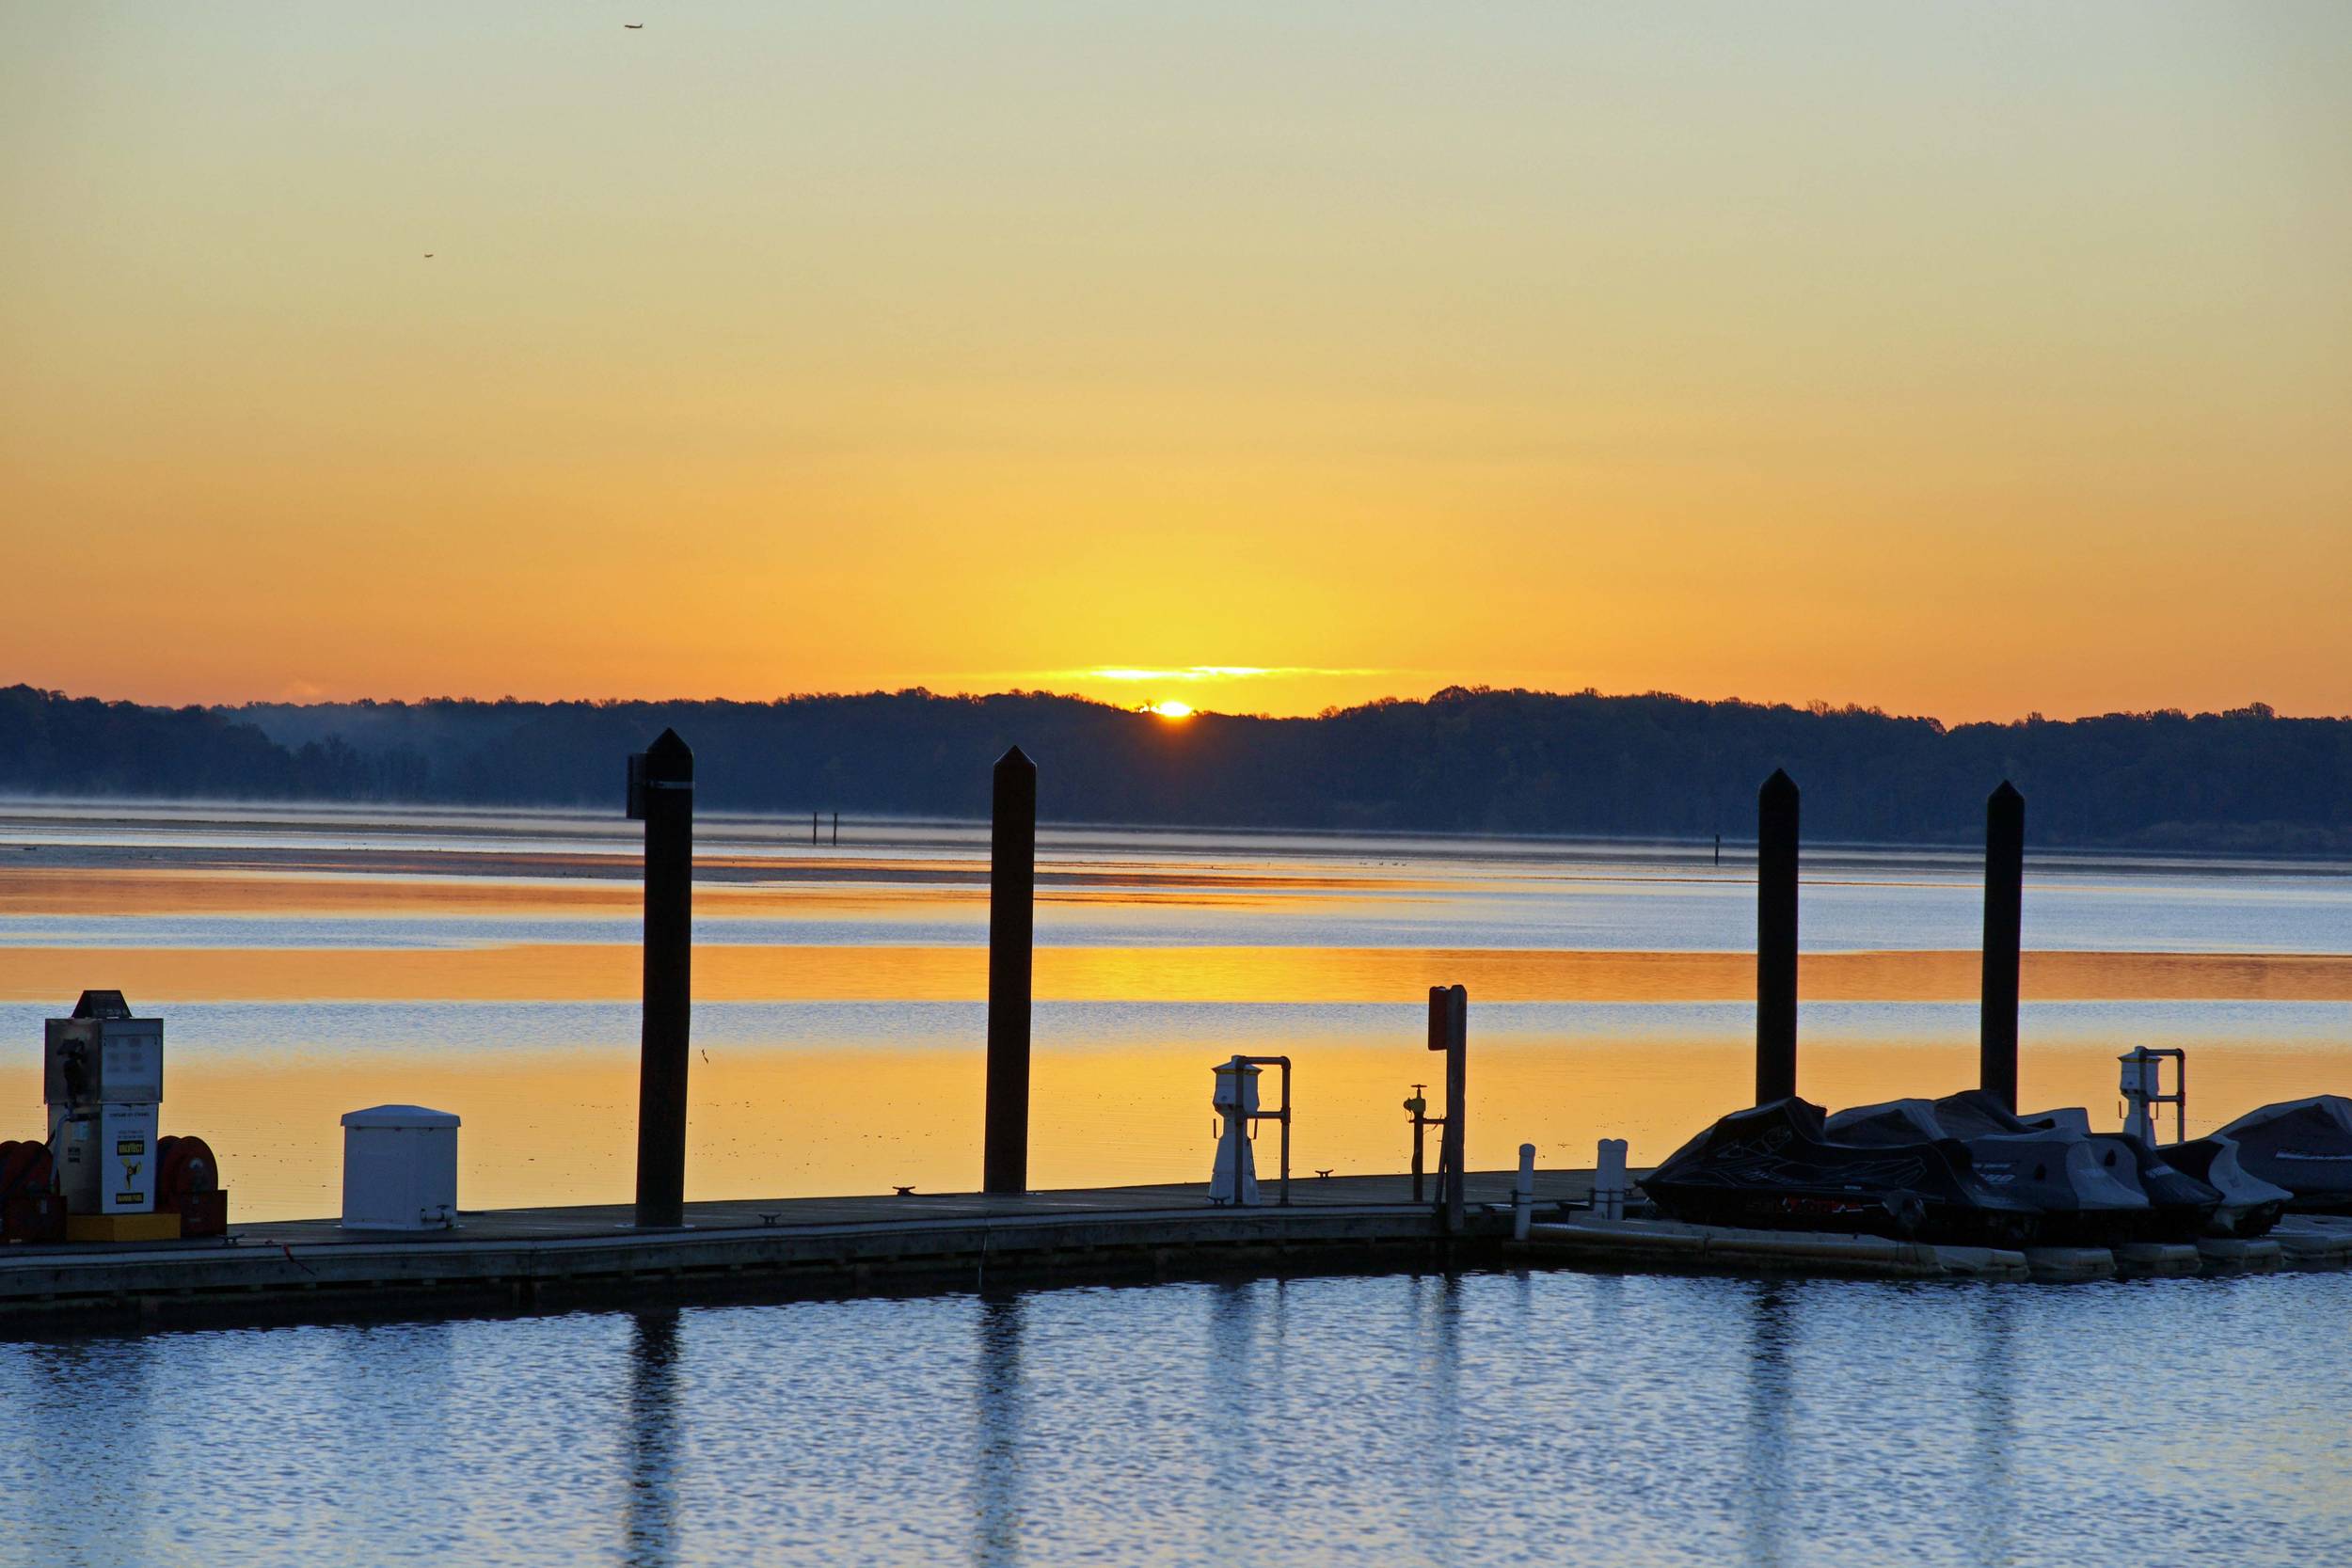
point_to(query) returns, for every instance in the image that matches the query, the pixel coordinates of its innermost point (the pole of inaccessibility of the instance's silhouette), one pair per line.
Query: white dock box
(400, 1168)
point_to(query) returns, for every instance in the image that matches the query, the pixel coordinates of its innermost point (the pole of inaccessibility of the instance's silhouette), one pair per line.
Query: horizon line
(2253, 709)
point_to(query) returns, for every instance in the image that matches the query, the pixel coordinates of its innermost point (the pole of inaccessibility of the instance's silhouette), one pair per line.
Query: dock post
(1449, 1032)
(661, 792)
(837, 829)
(1523, 1194)
(2004, 922)
(1776, 939)
(1011, 925)
(1610, 1185)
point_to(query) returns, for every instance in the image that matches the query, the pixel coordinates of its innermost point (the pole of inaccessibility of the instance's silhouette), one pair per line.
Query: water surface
(309, 961)
(1543, 1417)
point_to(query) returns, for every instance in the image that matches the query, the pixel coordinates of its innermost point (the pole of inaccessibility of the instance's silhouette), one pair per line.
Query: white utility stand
(400, 1168)
(1234, 1178)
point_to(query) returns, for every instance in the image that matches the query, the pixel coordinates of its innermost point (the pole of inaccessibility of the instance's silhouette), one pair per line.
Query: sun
(1171, 709)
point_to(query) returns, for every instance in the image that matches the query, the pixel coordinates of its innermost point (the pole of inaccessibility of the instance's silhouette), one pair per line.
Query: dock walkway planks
(538, 1259)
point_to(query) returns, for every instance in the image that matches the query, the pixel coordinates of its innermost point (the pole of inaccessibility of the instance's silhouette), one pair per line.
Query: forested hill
(1463, 760)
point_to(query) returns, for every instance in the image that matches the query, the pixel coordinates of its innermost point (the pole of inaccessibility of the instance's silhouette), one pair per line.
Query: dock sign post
(1449, 1032)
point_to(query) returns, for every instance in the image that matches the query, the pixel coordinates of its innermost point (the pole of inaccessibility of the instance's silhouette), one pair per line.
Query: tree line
(1466, 760)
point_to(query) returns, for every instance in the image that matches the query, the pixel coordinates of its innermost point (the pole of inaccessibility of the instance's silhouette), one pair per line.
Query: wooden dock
(544, 1259)
(538, 1260)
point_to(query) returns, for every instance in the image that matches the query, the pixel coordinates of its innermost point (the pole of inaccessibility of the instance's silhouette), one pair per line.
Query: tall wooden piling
(1012, 925)
(2004, 920)
(1776, 939)
(662, 792)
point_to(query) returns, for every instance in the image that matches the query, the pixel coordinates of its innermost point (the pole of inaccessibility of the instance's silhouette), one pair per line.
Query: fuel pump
(104, 1084)
(103, 1077)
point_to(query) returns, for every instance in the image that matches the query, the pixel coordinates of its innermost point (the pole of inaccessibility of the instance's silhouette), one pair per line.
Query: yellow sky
(1965, 360)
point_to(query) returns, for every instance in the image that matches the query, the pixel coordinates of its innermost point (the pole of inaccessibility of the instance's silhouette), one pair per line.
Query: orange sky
(1964, 360)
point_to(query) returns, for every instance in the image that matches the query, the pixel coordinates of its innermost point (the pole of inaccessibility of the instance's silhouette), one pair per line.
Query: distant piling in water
(662, 791)
(1012, 927)
(1776, 939)
(2004, 930)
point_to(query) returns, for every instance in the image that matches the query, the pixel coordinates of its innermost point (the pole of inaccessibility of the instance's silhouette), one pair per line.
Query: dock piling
(1523, 1194)
(663, 793)
(1776, 939)
(2004, 912)
(1011, 926)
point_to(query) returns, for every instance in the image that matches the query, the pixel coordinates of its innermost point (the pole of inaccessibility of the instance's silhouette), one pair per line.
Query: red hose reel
(30, 1209)
(187, 1183)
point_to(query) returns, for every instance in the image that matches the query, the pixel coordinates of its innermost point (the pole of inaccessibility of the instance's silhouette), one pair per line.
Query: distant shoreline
(1464, 764)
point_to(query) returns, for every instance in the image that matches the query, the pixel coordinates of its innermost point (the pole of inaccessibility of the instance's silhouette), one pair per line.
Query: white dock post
(1609, 1183)
(1523, 1194)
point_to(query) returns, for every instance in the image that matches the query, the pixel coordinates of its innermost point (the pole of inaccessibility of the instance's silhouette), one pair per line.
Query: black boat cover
(2184, 1204)
(2085, 1189)
(1776, 1167)
(2304, 1146)
(2250, 1205)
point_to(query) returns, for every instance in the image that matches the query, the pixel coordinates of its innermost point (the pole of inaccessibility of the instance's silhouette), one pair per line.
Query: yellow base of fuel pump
(123, 1228)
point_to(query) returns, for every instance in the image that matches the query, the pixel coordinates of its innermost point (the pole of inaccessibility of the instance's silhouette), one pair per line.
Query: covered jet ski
(2181, 1204)
(2085, 1194)
(1776, 1167)
(2304, 1146)
(2250, 1205)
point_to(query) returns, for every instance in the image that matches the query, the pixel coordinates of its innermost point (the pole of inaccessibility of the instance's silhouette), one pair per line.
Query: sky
(1965, 360)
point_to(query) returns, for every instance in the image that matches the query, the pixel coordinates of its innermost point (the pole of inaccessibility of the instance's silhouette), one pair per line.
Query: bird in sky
(428, 256)
(633, 26)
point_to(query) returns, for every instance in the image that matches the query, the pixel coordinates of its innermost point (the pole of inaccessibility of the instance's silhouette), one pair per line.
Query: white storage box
(400, 1168)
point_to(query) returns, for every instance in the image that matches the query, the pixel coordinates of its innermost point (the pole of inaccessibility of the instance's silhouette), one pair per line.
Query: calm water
(1548, 1418)
(309, 963)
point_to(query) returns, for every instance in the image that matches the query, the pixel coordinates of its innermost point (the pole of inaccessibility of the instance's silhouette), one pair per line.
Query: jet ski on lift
(1777, 1167)
(2086, 1190)
(2304, 1146)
